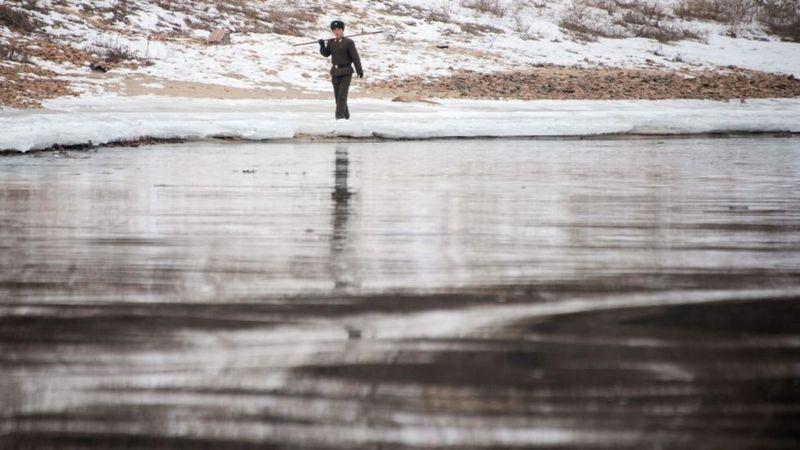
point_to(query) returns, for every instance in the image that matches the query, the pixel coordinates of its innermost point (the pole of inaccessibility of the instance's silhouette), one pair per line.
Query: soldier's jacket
(342, 53)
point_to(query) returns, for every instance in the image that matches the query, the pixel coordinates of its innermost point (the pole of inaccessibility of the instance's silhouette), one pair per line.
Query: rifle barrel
(352, 35)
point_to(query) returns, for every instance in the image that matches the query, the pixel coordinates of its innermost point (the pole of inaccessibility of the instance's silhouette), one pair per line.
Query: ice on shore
(102, 120)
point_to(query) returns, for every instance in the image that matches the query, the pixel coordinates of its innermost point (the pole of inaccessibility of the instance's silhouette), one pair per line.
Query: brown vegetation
(42, 48)
(292, 22)
(731, 12)
(589, 19)
(115, 53)
(25, 86)
(10, 52)
(120, 10)
(581, 21)
(779, 17)
(782, 18)
(248, 16)
(17, 20)
(478, 28)
(560, 83)
(494, 7)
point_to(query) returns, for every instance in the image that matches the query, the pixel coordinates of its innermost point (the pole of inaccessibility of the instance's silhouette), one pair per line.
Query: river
(457, 294)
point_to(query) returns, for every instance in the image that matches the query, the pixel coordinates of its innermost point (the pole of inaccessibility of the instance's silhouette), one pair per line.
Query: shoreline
(148, 141)
(89, 122)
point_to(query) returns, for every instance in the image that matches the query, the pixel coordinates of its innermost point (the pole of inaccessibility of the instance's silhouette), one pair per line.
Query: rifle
(350, 35)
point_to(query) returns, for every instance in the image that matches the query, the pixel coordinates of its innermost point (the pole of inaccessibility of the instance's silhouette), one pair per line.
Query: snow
(263, 60)
(268, 61)
(103, 119)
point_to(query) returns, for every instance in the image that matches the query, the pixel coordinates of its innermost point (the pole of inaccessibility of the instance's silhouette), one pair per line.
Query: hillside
(160, 47)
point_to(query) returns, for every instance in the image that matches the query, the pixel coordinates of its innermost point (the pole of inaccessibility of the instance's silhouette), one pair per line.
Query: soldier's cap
(337, 24)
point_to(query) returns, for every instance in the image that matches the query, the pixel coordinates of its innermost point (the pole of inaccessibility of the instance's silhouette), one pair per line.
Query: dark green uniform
(343, 55)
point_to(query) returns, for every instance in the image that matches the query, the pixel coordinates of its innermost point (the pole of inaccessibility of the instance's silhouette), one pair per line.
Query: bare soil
(144, 85)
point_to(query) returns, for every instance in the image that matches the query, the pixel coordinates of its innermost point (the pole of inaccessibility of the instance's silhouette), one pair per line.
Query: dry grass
(584, 20)
(649, 19)
(121, 10)
(442, 15)
(782, 18)
(25, 86)
(779, 17)
(115, 53)
(589, 19)
(119, 53)
(292, 22)
(10, 52)
(494, 7)
(730, 12)
(477, 28)
(175, 5)
(18, 20)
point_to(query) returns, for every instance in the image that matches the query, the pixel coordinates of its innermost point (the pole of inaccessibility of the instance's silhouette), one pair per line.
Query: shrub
(651, 20)
(442, 14)
(11, 53)
(782, 18)
(17, 20)
(289, 22)
(174, 5)
(478, 28)
(494, 7)
(121, 9)
(589, 19)
(588, 22)
(114, 53)
(521, 25)
(731, 12)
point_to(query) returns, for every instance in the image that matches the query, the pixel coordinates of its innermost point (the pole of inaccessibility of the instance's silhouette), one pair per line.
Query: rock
(98, 67)
(554, 82)
(220, 36)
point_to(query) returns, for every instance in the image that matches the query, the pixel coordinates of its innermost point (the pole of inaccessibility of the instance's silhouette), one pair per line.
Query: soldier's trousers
(341, 86)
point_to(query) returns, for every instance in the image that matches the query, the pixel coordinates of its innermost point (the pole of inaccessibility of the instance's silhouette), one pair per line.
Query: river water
(638, 293)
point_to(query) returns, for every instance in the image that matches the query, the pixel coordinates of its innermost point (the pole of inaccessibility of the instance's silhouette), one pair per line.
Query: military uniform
(343, 55)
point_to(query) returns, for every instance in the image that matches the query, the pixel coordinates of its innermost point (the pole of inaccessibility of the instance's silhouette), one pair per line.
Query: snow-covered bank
(101, 120)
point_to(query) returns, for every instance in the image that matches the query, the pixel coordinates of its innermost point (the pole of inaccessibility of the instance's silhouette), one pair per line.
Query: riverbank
(101, 120)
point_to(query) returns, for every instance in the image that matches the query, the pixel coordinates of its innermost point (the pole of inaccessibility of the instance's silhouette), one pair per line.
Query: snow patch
(101, 120)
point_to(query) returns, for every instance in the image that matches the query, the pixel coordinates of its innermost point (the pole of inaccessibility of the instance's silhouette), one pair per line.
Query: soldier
(343, 53)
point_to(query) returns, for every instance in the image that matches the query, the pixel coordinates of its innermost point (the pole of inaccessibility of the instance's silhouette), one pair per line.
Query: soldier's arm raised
(356, 60)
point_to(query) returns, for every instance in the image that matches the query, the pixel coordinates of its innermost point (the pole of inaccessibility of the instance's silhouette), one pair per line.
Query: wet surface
(453, 294)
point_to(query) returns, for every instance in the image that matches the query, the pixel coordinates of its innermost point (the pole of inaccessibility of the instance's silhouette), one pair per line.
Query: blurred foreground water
(620, 294)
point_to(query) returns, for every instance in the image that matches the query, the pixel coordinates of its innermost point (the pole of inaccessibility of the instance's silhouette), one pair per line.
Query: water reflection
(343, 261)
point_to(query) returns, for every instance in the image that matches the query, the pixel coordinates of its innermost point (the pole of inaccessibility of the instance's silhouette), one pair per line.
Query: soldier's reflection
(343, 268)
